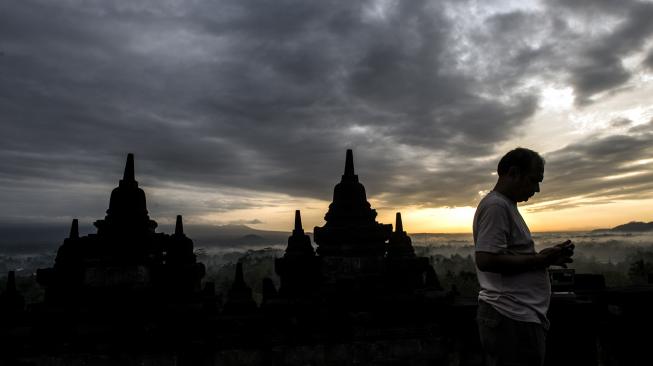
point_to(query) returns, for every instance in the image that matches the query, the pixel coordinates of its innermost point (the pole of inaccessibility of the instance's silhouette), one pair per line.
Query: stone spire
(128, 176)
(349, 167)
(11, 283)
(74, 230)
(239, 279)
(239, 300)
(299, 244)
(179, 226)
(399, 226)
(10, 300)
(400, 244)
(298, 224)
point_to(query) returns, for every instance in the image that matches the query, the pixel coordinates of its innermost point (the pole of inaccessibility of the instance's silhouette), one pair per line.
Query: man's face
(528, 183)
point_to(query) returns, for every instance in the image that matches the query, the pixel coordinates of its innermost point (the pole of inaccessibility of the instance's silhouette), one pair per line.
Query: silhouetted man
(515, 288)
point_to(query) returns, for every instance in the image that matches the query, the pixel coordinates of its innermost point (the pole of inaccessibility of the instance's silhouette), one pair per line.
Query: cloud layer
(265, 96)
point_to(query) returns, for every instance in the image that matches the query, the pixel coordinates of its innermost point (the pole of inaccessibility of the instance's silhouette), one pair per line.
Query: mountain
(28, 238)
(633, 226)
(238, 236)
(35, 238)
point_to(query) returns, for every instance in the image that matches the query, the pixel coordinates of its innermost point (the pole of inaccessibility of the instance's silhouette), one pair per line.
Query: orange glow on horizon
(582, 218)
(444, 219)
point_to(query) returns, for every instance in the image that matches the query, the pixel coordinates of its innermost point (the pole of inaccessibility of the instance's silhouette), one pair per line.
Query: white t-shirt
(499, 228)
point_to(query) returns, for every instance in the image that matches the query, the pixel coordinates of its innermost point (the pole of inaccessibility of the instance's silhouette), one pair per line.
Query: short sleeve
(492, 229)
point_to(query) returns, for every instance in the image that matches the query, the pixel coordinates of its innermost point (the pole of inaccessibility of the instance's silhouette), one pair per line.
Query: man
(515, 288)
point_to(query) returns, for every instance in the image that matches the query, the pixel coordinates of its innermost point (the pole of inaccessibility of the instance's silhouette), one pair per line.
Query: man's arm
(508, 263)
(513, 263)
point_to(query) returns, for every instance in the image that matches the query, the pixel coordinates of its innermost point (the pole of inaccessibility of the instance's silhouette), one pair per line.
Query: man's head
(520, 173)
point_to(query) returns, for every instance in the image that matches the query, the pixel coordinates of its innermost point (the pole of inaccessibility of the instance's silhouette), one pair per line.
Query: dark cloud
(600, 73)
(601, 167)
(591, 7)
(581, 43)
(266, 96)
(648, 62)
(274, 92)
(599, 66)
(620, 122)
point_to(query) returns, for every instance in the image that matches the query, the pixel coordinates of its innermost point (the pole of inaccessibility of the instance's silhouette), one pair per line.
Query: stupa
(127, 214)
(11, 301)
(406, 272)
(351, 229)
(299, 268)
(239, 298)
(400, 244)
(125, 257)
(351, 244)
(180, 272)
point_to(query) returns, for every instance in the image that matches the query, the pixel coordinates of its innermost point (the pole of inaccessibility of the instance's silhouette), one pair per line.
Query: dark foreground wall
(426, 351)
(444, 336)
(611, 327)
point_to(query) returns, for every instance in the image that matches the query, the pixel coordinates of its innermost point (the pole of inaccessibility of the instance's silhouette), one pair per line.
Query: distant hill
(633, 226)
(239, 236)
(46, 238)
(32, 238)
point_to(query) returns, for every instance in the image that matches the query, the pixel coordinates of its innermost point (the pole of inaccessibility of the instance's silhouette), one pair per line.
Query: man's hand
(557, 255)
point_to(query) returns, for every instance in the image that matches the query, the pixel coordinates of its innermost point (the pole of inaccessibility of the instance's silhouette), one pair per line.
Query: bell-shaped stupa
(405, 272)
(299, 268)
(351, 229)
(299, 244)
(400, 244)
(179, 249)
(181, 272)
(239, 298)
(11, 301)
(127, 213)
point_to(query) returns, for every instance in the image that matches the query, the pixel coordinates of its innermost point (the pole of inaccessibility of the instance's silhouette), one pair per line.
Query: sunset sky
(240, 111)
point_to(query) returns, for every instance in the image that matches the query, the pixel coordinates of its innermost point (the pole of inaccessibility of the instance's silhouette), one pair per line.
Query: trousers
(508, 342)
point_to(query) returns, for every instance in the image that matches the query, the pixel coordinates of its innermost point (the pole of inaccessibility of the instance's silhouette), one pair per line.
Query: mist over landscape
(623, 254)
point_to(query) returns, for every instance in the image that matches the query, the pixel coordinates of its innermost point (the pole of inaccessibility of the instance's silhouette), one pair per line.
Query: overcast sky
(240, 111)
